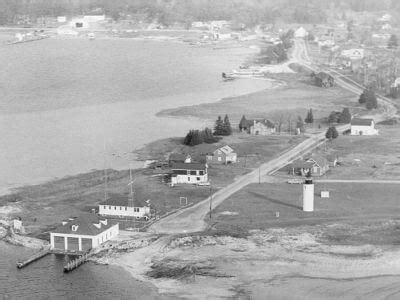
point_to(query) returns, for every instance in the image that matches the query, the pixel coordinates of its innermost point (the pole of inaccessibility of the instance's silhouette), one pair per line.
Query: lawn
(46, 205)
(255, 206)
(294, 96)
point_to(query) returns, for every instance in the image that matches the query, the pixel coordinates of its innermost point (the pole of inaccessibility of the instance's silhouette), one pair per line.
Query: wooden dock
(73, 264)
(33, 258)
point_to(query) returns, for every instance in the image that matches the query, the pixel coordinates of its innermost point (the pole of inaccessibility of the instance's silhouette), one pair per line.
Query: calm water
(45, 279)
(67, 105)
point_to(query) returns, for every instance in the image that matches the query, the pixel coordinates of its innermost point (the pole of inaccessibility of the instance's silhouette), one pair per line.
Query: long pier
(33, 258)
(73, 264)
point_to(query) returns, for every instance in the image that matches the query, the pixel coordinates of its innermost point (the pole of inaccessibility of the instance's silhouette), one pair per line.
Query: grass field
(296, 95)
(255, 207)
(43, 206)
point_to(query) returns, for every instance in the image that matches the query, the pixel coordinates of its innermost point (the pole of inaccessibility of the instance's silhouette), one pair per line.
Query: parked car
(295, 181)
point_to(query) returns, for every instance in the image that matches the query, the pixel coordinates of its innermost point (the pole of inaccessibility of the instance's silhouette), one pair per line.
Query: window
(120, 208)
(219, 158)
(201, 172)
(126, 208)
(188, 178)
(109, 207)
(136, 209)
(198, 178)
(105, 207)
(193, 172)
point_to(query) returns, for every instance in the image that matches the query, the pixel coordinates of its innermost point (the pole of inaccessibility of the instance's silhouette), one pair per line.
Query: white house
(300, 33)
(353, 53)
(124, 206)
(262, 127)
(223, 155)
(82, 234)
(386, 26)
(189, 173)
(363, 127)
(94, 18)
(61, 19)
(396, 83)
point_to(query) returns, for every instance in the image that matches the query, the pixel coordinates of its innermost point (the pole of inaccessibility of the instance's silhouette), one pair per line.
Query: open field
(43, 206)
(294, 94)
(372, 157)
(255, 206)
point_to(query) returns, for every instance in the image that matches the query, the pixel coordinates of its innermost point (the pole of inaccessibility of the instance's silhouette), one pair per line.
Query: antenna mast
(131, 181)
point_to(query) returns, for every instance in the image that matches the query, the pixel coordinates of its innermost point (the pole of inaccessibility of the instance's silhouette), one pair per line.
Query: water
(67, 106)
(44, 279)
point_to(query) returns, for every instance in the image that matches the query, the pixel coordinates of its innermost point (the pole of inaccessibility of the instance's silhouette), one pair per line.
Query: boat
(27, 37)
(243, 73)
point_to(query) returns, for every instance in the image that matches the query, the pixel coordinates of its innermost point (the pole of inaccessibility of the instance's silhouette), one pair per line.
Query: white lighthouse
(308, 194)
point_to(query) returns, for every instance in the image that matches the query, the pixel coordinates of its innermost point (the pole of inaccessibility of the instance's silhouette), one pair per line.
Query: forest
(248, 12)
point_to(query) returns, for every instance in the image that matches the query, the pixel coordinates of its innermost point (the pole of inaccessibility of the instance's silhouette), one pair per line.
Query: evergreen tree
(345, 116)
(188, 138)
(331, 133)
(219, 126)
(392, 42)
(333, 117)
(227, 126)
(310, 117)
(196, 138)
(363, 97)
(371, 101)
(243, 123)
(208, 136)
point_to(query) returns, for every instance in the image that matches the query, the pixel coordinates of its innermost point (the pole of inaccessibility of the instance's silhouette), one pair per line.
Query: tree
(243, 123)
(363, 97)
(219, 126)
(331, 133)
(310, 117)
(193, 138)
(345, 116)
(333, 117)
(227, 126)
(208, 136)
(392, 42)
(372, 102)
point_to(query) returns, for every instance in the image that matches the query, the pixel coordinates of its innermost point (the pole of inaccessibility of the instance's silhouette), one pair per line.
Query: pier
(33, 258)
(73, 264)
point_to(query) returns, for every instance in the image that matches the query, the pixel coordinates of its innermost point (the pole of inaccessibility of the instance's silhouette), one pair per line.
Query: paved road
(192, 218)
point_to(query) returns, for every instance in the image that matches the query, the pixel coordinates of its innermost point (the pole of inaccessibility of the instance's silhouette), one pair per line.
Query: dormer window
(74, 227)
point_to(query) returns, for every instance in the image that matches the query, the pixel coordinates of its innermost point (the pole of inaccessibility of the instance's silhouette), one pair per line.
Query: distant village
(365, 53)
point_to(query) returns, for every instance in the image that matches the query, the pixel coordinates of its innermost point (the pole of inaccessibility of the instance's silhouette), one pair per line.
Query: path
(357, 181)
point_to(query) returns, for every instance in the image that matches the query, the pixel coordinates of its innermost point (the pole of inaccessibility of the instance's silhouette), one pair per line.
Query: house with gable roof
(261, 127)
(223, 155)
(82, 234)
(314, 164)
(189, 173)
(362, 127)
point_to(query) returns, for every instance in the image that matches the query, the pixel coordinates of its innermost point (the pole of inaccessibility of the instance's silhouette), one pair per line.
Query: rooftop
(123, 200)
(87, 225)
(188, 166)
(361, 122)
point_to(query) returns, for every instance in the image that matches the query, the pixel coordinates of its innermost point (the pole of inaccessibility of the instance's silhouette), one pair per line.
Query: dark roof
(178, 156)
(85, 225)
(123, 200)
(301, 164)
(188, 166)
(361, 122)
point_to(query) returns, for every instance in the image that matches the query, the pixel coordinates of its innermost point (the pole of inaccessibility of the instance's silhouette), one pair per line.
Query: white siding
(125, 211)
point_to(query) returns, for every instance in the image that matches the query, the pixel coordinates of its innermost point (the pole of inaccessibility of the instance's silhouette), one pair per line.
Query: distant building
(396, 83)
(61, 19)
(353, 53)
(262, 127)
(179, 158)
(386, 26)
(385, 18)
(363, 127)
(83, 233)
(189, 173)
(315, 164)
(94, 18)
(300, 33)
(323, 79)
(223, 155)
(79, 23)
(124, 206)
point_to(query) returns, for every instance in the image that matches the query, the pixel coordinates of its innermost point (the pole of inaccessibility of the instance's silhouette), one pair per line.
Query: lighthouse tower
(308, 194)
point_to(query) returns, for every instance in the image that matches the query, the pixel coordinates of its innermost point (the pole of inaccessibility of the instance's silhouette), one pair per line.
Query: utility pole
(210, 200)
(259, 175)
